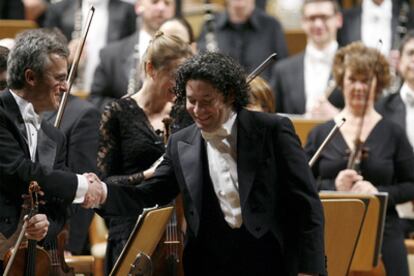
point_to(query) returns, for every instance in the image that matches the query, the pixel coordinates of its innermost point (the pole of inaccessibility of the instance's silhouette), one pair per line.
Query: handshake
(96, 193)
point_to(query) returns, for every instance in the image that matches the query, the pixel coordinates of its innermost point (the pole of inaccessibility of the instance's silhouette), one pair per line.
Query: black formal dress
(388, 166)
(128, 146)
(281, 211)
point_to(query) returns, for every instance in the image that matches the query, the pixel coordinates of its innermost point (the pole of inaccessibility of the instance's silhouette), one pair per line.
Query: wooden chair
(81, 264)
(98, 235)
(342, 233)
(303, 126)
(9, 28)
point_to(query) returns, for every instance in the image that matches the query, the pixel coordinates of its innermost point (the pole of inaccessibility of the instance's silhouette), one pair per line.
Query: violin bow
(74, 68)
(325, 142)
(261, 67)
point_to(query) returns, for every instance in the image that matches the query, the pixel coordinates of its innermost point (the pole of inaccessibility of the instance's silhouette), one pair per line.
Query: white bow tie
(30, 116)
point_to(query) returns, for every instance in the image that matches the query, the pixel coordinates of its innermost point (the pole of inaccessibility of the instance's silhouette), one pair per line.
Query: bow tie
(30, 116)
(218, 134)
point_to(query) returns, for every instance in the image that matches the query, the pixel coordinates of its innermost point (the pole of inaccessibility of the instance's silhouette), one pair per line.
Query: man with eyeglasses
(300, 82)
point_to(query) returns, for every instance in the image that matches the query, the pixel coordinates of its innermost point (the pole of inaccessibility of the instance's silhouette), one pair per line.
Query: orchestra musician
(251, 209)
(386, 159)
(399, 107)
(32, 150)
(131, 128)
(118, 59)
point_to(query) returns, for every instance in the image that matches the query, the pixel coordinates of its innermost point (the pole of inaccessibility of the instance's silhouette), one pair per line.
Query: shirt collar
(326, 54)
(27, 111)
(407, 95)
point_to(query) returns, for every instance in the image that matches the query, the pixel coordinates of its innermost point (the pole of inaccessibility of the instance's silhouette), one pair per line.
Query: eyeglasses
(322, 17)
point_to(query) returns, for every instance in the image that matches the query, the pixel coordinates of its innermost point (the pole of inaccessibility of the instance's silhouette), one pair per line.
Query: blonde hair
(163, 50)
(261, 95)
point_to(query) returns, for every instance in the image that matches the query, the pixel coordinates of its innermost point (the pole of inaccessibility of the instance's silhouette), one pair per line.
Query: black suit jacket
(351, 28)
(393, 108)
(121, 21)
(112, 74)
(288, 85)
(17, 170)
(276, 187)
(80, 124)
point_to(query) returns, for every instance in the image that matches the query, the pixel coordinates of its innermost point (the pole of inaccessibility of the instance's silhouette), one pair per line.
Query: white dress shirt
(221, 148)
(318, 67)
(32, 122)
(376, 25)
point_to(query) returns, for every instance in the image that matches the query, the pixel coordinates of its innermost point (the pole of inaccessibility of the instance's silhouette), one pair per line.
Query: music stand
(135, 258)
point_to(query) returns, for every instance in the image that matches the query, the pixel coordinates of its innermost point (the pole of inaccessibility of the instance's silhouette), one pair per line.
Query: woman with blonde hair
(385, 162)
(131, 129)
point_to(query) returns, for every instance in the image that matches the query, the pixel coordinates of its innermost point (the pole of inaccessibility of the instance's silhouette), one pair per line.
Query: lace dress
(128, 145)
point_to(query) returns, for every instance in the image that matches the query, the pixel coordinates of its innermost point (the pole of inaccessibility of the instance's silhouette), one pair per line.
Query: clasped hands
(350, 181)
(96, 194)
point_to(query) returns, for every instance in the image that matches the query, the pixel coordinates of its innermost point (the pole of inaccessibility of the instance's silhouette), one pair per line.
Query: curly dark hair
(221, 71)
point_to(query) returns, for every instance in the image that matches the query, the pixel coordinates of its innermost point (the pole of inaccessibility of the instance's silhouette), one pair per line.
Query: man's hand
(96, 194)
(37, 227)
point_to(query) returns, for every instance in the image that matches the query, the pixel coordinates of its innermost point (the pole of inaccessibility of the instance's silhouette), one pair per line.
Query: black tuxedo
(17, 170)
(288, 84)
(121, 21)
(80, 124)
(277, 193)
(351, 28)
(393, 108)
(112, 74)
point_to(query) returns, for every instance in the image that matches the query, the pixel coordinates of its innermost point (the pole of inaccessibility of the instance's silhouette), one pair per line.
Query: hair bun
(158, 34)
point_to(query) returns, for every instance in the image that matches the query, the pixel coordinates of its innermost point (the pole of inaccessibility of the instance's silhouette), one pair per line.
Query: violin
(28, 259)
(167, 258)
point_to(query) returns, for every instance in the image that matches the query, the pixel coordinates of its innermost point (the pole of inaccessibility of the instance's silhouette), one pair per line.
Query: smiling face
(206, 105)
(164, 79)
(46, 90)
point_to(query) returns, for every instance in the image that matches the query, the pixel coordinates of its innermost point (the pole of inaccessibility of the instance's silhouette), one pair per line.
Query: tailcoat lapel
(46, 149)
(190, 154)
(249, 152)
(12, 110)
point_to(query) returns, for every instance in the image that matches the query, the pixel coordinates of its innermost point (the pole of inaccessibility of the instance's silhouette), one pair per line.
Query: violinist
(131, 128)
(249, 199)
(385, 159)
(32, 150)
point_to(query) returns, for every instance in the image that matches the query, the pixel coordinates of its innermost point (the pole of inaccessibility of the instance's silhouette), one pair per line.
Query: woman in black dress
(131, 130)
(387, 162)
